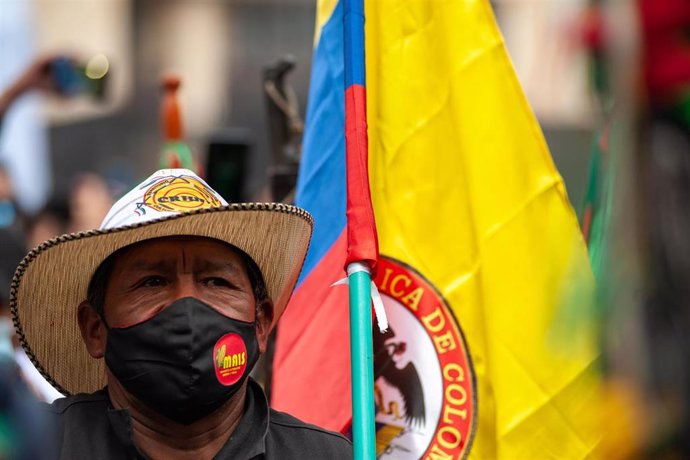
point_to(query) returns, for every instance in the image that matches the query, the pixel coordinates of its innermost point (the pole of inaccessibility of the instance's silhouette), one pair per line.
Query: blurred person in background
(13, 132)
(51, 221)
(24, 149)
(11, 222)
(37, 76)
(24, 433)
(12, 251)
(90, 201)
(90, 198)
(20, 383)
(15, 228)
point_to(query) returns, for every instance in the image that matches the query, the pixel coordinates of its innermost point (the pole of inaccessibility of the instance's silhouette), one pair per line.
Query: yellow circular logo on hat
(179, 194)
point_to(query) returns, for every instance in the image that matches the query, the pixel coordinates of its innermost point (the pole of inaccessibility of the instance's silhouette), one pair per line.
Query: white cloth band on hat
(165, 192)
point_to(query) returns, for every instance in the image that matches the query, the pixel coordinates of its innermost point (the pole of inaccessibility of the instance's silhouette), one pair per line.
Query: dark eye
(152, 281)
(218, 282)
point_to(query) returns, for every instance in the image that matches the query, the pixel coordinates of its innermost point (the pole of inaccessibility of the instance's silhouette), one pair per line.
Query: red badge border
(236, 340)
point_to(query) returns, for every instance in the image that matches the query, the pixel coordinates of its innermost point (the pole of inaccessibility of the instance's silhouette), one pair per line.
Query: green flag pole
(362, 361)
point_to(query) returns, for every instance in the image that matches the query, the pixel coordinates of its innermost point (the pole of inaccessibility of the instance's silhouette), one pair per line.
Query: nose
(185, 287)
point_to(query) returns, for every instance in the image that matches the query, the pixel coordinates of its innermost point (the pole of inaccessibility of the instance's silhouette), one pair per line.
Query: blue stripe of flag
(321, 184)
(353, 18)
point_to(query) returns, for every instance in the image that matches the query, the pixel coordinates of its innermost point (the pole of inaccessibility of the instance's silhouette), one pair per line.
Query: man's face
(150, 276)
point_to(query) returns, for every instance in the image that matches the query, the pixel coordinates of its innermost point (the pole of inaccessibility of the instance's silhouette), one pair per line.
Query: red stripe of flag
(362, 241)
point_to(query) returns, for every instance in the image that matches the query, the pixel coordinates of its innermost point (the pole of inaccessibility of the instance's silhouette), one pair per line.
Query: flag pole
(361, 346)
(361, 231)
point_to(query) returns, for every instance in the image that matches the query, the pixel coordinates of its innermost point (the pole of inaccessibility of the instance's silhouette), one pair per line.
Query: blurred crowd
(88, 201)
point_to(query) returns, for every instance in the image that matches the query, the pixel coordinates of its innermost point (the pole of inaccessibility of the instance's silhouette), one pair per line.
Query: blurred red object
(592, 28)
(666, 47)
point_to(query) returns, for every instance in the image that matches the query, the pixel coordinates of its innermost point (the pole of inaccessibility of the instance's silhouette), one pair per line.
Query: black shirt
(88, 427)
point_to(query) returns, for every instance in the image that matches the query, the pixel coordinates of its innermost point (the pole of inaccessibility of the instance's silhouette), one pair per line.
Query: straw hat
(53, 278)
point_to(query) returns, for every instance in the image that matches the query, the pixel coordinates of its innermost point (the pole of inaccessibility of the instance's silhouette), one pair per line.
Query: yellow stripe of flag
(465, 191)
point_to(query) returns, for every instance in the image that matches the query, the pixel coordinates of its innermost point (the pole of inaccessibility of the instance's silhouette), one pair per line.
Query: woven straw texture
(52, 280)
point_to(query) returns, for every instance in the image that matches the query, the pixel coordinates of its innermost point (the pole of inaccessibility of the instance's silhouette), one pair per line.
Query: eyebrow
(199, 264)
(147, 265)
(218, 265)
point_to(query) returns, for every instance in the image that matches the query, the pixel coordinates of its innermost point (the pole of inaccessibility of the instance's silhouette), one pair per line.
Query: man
(169, 304)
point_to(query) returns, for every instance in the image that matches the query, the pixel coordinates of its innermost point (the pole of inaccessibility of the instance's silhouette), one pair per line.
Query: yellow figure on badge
(220, 355)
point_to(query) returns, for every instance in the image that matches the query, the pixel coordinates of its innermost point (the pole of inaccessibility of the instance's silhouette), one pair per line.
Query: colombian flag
(481, 258)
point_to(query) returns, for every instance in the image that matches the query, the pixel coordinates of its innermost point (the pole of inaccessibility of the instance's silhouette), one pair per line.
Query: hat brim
(52, 280)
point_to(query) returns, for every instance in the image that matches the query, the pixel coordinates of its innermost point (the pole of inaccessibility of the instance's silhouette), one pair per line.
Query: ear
(93, 330)
(264, 319)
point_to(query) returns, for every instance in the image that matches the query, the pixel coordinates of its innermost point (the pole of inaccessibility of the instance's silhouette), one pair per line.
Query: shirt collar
(249, 438)
(246, 442)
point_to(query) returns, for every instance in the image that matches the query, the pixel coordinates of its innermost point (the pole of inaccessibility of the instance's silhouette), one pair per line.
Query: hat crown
(166, 192)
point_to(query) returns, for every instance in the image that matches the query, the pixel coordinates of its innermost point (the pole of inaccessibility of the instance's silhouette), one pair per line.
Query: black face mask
(186, 361)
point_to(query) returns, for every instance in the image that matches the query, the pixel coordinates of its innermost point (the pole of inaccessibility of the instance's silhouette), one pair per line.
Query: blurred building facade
(218, 47)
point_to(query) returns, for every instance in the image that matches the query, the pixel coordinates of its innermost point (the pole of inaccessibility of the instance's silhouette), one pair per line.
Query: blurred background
(220, 50)
(607, 80)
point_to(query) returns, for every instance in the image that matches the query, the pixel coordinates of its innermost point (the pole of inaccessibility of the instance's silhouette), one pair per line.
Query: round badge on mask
(230, 358)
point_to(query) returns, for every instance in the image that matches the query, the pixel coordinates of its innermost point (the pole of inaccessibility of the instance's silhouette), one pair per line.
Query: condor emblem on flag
(424, 384)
